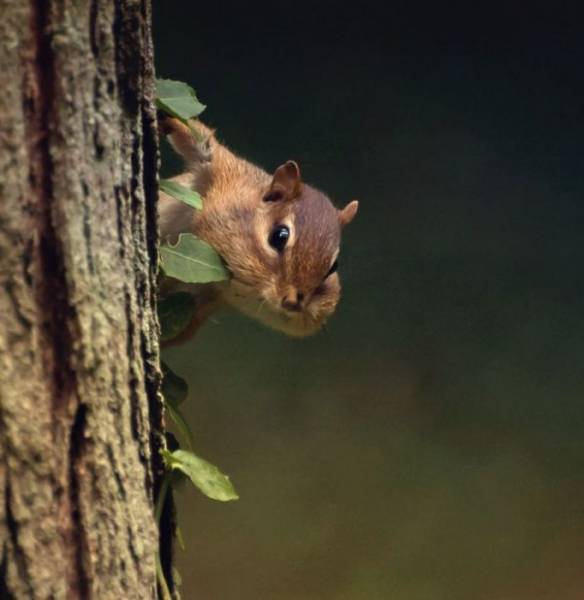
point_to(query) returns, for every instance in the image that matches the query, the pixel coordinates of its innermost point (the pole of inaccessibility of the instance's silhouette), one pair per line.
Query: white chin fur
(297, 325)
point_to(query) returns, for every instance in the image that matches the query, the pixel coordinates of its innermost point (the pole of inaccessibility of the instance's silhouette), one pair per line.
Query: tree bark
(80, 411)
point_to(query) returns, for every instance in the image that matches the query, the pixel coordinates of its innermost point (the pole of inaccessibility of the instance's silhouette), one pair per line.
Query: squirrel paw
(190, 141)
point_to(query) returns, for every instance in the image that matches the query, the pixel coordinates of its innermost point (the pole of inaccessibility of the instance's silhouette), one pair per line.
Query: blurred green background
(428, 445)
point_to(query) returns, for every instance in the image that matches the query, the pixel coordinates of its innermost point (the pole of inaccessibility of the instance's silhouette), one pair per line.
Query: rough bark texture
(80, 416)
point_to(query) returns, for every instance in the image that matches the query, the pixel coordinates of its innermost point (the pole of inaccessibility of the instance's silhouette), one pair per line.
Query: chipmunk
(278, 236)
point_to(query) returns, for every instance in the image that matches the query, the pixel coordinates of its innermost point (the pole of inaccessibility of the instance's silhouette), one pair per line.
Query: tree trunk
(80, 413)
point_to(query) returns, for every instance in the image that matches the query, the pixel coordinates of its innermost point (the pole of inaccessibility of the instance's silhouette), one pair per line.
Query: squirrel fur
(278, 236)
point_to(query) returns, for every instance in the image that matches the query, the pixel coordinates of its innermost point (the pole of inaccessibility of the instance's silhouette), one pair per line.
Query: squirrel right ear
(286, 183)
(347, 214)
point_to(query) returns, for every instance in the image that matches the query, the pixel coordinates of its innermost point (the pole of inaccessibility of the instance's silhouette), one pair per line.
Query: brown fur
(242, 205)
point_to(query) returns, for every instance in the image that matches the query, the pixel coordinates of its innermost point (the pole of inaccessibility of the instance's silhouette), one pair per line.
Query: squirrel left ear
(286, 183)
(347, 214)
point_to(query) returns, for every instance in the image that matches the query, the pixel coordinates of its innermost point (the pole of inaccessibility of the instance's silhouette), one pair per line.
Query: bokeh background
(429, 445)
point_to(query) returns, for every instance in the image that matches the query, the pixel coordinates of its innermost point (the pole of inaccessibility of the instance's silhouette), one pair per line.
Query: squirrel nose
(293, 302)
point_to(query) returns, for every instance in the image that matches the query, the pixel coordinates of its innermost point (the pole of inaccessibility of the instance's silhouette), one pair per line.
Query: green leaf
(178, 99)
(181, 424)
(177, 579)
(174, 388)
(207, 477)
(175, 312)
(180, 192)
(193, 261)
(181, 542)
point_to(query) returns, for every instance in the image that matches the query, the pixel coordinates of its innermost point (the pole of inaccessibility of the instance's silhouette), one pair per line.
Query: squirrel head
(281, 242)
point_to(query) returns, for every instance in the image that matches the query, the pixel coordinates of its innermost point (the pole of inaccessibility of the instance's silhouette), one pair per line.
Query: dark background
(429, 445)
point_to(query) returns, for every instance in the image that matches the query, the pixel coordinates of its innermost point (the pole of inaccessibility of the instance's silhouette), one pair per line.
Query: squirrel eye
(333, 268)
(279, 237)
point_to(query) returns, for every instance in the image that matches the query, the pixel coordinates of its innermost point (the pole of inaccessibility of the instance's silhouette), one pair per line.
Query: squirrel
(278, 236)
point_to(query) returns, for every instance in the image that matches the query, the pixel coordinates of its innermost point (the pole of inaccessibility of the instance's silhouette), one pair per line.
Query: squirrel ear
(347, 214)
(286, 183)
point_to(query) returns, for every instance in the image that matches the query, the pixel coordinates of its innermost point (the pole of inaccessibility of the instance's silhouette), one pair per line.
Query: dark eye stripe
(333, 268)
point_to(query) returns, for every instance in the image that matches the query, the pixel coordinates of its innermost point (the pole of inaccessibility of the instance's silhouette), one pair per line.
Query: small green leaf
(178, 99)
(181, 542)
(180, 192)
(207, 477)
(177, 579)
(193, 261)
(174, 388)
(175, 312)
(181, 424)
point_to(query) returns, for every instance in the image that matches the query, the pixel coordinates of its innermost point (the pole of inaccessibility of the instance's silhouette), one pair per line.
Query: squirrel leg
(206, 305)
(195, 143)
